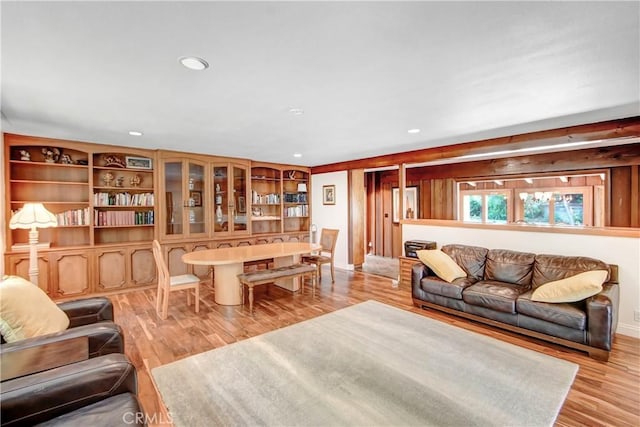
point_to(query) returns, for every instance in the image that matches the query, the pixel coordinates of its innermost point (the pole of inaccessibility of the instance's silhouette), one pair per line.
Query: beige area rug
(381, 266)
(366, 365)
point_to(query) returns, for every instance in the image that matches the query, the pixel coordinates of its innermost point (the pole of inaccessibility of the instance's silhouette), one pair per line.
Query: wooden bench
(262, 277)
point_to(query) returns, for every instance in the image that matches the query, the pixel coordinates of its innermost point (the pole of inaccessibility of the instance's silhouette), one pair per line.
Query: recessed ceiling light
(193, 63)
(414, 130)
(297, 155)
(296, 111)
(135, 133)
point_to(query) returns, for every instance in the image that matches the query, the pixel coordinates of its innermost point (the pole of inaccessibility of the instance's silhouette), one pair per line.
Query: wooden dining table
(227, 263)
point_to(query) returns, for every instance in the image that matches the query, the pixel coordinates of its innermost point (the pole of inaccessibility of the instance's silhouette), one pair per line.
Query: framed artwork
(196, 196)
(328, 194)
(138, 162)
(410, 203)
(242, 207)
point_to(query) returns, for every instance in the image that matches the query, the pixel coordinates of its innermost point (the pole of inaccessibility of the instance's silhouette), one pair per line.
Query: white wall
(332, 216)
(623, 251)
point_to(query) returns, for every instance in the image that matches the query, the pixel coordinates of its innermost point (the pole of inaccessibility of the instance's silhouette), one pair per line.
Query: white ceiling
(363, 72)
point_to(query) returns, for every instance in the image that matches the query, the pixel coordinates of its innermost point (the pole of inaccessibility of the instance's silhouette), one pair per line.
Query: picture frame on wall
(328, 194)
(242, 207)
(410, 203)
(196, 196)
(138, 162)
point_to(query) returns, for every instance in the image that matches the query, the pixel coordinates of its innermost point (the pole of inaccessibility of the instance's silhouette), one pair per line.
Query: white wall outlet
(636, 315)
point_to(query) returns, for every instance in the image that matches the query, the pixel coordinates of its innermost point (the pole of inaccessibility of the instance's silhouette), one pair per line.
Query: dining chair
(328, 239)
(168, 283)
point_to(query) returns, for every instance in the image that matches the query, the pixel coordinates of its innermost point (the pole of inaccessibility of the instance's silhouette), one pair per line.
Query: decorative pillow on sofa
(441, 264)
(26, 311)
(571, 289)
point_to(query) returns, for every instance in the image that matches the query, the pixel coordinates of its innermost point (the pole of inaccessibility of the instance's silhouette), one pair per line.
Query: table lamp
(31, 217)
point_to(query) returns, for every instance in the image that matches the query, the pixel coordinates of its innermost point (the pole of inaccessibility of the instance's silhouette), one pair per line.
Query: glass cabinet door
(221, 199)
(173, 185)
(239, 185)
(196, 202)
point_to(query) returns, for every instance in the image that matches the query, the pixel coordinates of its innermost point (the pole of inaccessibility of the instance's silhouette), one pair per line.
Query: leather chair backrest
(548, 268)
(510, 267)
(470, 258)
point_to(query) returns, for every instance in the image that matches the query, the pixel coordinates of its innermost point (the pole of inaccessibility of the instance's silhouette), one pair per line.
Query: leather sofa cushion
(495, 295)
(121, 409)
(437, 286)
(549, 268)
(510, 267)
(570, 315)
(471, 258)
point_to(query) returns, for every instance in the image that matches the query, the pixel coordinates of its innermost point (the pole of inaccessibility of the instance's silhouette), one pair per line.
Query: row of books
(123, 199)
(300, 210)
(74, 217)
(111, 218)
(295, 197)
(261, 199)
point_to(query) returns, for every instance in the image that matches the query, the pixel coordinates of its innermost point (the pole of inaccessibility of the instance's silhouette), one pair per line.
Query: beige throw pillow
(441, 264)
(26, 311)
(571, 289)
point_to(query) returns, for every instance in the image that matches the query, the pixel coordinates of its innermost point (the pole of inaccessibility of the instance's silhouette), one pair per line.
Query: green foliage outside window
(497, 208)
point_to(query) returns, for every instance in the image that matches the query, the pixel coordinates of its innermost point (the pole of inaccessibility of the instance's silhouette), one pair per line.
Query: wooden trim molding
(558, 229)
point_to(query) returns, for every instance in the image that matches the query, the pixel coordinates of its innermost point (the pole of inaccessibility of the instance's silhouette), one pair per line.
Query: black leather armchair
(96, 392)
(90, 317)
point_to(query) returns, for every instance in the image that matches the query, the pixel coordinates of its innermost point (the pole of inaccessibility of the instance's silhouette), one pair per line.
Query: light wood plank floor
(603, 394)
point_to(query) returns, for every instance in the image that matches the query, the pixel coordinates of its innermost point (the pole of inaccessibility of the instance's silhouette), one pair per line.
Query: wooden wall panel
(356, 217)
(620, 215)
(443, 199)
(635, 196)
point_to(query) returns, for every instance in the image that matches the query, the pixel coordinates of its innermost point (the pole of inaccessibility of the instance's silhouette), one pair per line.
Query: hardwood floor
(603, 393)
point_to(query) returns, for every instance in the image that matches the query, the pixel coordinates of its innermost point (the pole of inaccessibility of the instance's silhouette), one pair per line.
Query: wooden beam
(629, 127)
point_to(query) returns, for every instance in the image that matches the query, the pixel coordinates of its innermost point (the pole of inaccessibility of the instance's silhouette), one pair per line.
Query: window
(567, 206)
(486, 206)
(572, 200)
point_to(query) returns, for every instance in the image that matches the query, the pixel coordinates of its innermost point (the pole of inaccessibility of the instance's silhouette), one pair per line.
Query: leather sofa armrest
(40, 397)
(419, 271)
(104, 338)
(88, 310)
(602, 316)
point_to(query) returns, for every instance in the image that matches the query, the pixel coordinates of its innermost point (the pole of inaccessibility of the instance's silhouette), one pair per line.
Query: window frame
(587, 201)
(509, 193)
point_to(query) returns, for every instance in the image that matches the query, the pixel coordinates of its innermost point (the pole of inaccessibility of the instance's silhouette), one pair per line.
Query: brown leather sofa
(94, 392)
(498, 288)
(90, 317)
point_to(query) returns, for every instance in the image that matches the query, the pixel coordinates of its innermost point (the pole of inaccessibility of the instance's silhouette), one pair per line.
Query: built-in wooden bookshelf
(266, 200)
(123, 198)
(111, 202)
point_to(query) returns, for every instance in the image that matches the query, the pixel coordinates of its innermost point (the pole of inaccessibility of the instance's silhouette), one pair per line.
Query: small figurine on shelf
(120, 181)
(113, 161)
(107, 178)
(51, 155)
(135, 180)
(65, 159)
(25, 155)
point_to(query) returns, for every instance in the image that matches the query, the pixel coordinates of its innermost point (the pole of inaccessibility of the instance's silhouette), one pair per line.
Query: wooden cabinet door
(173, 258)
(71, 273)
(143, 267)
(18, 265)
(202, 271)
(111, 269)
